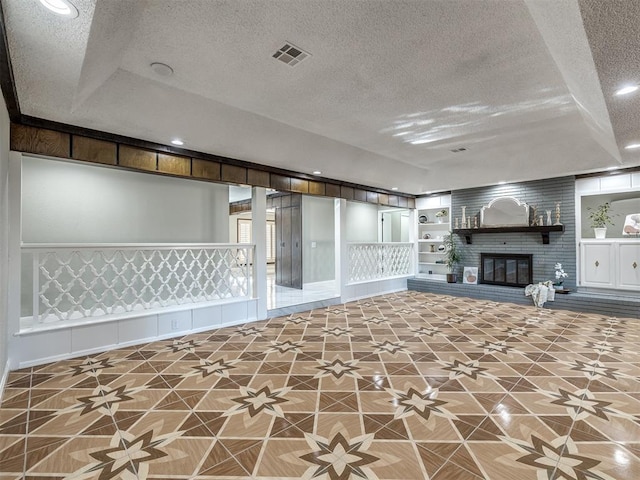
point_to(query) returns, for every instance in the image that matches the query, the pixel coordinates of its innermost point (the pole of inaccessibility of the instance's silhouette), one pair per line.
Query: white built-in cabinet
(611, 263)
(431, 231)
(629, 266)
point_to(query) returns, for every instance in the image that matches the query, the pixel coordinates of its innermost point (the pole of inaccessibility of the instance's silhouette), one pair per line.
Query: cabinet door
(629, 273)
(597, 265)
(296, 247)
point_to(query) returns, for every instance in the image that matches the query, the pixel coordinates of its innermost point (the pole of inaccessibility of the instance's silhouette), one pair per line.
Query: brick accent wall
(544, 194)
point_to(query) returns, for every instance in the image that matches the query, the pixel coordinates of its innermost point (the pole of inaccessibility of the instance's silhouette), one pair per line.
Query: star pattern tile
(401, 386)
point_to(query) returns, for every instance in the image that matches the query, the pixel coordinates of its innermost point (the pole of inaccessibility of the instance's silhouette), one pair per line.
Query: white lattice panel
(72, 283)
(373, 261)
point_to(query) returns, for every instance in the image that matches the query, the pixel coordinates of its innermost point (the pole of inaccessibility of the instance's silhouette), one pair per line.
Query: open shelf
(543, 230)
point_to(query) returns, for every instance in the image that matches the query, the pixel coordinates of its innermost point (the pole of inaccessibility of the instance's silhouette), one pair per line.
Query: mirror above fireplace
(504, 212)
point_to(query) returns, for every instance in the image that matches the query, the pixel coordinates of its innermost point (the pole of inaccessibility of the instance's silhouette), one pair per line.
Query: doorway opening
(300, 245)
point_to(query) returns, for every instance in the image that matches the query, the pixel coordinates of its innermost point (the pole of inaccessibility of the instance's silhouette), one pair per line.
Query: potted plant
(440, 214)
(560, 276)
(451, 257)
(600, 217)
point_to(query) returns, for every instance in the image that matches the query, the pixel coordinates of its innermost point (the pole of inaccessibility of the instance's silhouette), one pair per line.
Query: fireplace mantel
(543, 230)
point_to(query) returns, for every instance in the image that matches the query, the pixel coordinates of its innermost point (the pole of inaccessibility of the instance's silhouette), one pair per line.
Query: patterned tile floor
(404, 386)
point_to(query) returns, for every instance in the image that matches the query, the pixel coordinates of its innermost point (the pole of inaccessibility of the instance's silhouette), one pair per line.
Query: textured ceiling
(389, 90)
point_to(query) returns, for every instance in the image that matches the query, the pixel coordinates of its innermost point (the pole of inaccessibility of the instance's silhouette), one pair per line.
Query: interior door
(289, 246)
(296, 247)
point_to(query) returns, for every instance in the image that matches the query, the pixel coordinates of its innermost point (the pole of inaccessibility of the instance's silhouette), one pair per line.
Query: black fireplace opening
(509, 269)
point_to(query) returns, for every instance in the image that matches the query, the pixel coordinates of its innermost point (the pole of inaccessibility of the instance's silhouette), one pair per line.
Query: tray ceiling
(388, 90)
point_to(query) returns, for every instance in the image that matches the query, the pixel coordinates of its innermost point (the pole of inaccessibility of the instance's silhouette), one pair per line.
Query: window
(244, 236)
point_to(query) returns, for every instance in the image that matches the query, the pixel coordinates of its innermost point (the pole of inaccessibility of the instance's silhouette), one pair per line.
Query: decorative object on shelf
(426, 236)
(423, 219)
(470, 275)
(432, 248)
(441, 248)
(631, 224)
(557, 214)
(600, 217)
(541, 220)
(534, 216)
(475, 222)
(548, 212)
(560, 276)
(464, 216)
(468, 222)
(440, 214)
(451, 257)
(504, 212)
(457, 223)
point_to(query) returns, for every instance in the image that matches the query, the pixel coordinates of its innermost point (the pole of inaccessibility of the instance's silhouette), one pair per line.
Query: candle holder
(557, 222)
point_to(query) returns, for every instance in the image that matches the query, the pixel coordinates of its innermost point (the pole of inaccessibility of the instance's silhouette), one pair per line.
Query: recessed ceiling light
(627, 89)
(317, 172)
(502, 182)
(162, 69)
(394, 188)
(61, 7)
(177, 141)
(632, 146)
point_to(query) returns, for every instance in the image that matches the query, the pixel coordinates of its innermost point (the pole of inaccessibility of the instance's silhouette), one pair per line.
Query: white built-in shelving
(431, 231)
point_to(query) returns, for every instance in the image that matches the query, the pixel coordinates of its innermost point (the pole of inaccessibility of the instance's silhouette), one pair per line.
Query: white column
(14, 266)
(414, 237)
(259, 238)
(342, 253)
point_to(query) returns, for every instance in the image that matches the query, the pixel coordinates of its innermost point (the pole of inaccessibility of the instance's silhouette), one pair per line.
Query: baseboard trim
(140, 341)
(370, 295)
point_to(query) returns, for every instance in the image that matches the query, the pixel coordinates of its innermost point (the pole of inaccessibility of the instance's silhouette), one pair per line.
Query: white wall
(65, 202)
(362, 222)
(4, 233)
(318, 239)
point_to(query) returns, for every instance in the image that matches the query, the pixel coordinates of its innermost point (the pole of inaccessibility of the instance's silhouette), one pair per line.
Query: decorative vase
(548, 212)
(558, 286)
(452, 278)
(600, 232)
(557, 214)
(464, 217)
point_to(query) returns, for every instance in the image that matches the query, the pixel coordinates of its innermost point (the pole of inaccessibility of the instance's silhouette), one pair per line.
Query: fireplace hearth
(508, 269)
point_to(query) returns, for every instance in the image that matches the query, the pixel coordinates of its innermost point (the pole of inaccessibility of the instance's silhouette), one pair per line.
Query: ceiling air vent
(458, 150)
(291, 55)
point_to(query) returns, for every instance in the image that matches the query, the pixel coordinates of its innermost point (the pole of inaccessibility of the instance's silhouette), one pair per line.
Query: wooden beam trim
(285, 183)
(160, 148)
